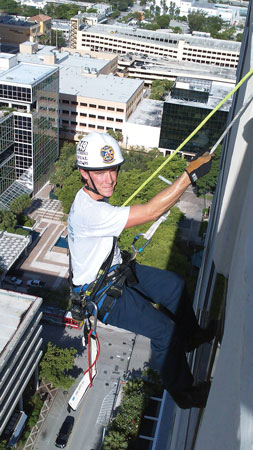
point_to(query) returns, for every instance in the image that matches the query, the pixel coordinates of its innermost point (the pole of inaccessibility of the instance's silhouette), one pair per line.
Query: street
(95, 410)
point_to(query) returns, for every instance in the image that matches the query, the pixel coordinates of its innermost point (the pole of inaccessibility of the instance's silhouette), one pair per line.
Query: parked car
(64, 433)
(13, 280)
(35, 283)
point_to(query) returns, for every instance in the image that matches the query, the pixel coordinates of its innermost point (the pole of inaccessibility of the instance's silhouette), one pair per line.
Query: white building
(180, 47)
(20, 349)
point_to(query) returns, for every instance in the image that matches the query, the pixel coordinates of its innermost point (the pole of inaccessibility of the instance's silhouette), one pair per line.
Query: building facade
(97, 100)
(122, 40)
(44, 21)
(105, 103)
(20, 349)
(159, 68)
(189, 103)
(15, 30)
(7, 156)
(224, 283)
(32, 92)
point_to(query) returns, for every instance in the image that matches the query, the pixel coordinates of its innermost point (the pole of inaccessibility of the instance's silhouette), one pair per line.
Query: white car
(13, 280)
(35, 283)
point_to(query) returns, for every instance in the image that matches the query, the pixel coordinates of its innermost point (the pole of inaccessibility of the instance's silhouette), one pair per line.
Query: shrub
(22, 232)
(11, 230)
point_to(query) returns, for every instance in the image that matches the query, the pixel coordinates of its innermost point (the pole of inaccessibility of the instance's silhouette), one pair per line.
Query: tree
(44, 39)
(65, 165)
(163, 21)
(196, 21)
(67, 192)
(115, 441)
(8, 219)
(177, 30)
(172, 9)
(10, 7)
(137, 16)
(18, 205)
(151, 26)
(239, 37)
(55, 364)
(57, 38)
(3, 444)
(115, 134)
(226, 34)
(159, 88)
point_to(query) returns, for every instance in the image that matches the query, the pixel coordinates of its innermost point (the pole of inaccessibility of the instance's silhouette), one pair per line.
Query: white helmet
(98, 151)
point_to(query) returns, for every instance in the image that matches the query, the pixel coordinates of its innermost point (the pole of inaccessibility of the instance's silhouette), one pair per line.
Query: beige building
(96, 104)
(91, 98)
(44, 22)
(179, 47)
(15, 30)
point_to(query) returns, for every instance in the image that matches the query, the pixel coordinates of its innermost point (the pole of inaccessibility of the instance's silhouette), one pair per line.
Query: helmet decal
(107, 154)
(82, 146)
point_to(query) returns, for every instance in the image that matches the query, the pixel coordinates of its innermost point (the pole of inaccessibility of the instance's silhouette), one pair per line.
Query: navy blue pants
(134, 312)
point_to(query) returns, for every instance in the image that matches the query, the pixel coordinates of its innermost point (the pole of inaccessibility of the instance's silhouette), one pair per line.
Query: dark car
(64, 433)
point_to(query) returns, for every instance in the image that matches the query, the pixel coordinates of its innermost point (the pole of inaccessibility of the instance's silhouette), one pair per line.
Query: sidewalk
(46, 261)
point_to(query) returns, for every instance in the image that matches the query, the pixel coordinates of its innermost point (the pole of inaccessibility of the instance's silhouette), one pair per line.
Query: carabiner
(139, 250)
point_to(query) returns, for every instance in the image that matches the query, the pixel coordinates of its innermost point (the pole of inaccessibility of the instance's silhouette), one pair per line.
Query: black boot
(200, 335)
(193, 397)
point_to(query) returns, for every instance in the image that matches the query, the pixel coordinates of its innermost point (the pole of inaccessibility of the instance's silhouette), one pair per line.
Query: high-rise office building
(188, 104)
(7, 157)
(224, 287)
(31, 93)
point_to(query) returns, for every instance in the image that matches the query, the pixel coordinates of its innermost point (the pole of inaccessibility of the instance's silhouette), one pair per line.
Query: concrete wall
(227, 422)
(141, 135)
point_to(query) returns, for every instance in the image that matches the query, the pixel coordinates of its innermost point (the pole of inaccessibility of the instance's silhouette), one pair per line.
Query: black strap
(105, 268)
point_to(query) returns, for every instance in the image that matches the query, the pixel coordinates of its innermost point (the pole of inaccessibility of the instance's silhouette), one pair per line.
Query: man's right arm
(169, 196)
(159, 204)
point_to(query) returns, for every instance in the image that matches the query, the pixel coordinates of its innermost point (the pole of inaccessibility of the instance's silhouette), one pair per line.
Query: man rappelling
(122, 289)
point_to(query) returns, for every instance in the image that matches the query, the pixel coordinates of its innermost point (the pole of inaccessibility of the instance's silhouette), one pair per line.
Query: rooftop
(11, 247)
(76, 67)
(12, 192)
(6, 55)
(148, 112)
(193, 84)
(16, 21)
(218, 91)
(40, 18)
(64, 58)
(20, 74)
(104, 87)
(161, 64)
(165, 39)
(13, 307)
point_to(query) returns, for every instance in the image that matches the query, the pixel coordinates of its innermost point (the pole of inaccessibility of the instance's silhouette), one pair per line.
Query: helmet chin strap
(93, 188)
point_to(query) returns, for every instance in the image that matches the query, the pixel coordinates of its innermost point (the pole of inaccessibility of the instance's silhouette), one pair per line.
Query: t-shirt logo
(107, 154)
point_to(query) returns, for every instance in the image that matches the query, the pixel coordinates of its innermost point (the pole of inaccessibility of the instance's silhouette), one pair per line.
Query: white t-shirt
(91, 227)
